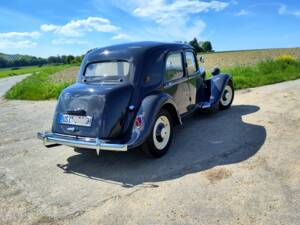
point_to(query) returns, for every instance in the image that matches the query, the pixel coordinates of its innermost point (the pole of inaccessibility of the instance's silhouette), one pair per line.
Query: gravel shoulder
(8, 82)
(240, 166)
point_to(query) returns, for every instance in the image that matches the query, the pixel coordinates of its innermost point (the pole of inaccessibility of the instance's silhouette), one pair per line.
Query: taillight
(138, 122)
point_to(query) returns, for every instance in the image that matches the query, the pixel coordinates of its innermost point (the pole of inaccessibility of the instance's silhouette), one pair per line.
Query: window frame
(196, 63)
(182, 64)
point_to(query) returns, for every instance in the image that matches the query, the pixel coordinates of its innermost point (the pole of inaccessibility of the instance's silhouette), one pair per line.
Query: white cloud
(18, 40)
(49, 27)
(121, 36)
(19, 35)
(180, 32)
(76, 28)
(6, 44)
(283, 10)
(163, 12)
(297, 13)
(62, 41)
(243, 12)
(176, 20)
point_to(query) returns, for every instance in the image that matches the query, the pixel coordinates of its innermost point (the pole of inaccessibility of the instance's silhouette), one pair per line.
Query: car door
(195, 80)
(176, 82)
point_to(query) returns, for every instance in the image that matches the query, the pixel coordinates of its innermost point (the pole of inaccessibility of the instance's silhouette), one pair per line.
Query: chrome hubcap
(226, 96)
(161, 132)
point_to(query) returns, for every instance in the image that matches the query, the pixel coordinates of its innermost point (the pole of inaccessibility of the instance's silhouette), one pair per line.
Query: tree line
(37, 61)
(201, 46)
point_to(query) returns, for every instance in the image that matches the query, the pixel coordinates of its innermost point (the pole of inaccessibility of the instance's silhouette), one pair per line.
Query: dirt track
(241, 166)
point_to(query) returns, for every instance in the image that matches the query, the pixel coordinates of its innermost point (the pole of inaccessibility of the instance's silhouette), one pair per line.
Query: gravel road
(8, 82)
(240, 166)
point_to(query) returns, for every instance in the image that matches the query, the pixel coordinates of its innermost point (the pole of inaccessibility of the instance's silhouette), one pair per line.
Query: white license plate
(85, 121)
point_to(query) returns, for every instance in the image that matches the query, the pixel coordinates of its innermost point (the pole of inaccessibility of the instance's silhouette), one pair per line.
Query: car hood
(107, 104)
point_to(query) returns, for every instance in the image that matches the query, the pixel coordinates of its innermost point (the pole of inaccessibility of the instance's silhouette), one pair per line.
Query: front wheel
(227, 97)
(159, 140)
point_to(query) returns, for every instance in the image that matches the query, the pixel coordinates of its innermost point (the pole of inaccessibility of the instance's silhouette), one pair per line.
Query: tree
(207, 46)
(196, 45)
(77, 59)
(3, 62)
(69, 59)
(64, 59)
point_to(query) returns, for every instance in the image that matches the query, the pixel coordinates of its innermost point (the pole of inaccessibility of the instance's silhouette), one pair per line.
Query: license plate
(85, 121)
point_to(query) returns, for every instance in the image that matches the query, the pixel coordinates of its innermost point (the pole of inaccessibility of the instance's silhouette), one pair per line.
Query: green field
(248, 68)
(7, 72)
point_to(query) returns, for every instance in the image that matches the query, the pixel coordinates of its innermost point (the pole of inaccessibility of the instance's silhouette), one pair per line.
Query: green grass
(38, 86)
(22, 70)
(7, 72)
(263, 73)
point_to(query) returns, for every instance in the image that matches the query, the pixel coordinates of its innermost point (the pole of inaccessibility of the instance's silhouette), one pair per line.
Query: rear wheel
(227, 97)
(159, 140)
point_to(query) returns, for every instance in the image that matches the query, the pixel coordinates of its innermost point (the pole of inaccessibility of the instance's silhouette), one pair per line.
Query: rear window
(107, 69)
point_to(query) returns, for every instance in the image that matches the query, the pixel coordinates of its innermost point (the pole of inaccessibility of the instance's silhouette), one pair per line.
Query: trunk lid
(105, 103)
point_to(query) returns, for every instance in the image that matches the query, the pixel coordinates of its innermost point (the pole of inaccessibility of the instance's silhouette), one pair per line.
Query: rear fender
(150, 107)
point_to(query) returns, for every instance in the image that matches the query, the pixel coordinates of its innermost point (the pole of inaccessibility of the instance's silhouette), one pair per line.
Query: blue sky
(53, 27)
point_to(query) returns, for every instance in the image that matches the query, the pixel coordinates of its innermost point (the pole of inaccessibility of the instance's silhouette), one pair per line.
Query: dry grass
(68, 75)
(245, 58)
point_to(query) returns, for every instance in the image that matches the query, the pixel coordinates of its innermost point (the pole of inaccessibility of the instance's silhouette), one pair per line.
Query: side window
(191, 64)
(174, 67)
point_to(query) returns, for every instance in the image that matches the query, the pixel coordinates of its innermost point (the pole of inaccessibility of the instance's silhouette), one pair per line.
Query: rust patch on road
(217, 174)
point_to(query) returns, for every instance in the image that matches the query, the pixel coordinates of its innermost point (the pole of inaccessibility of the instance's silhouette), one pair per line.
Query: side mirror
(201, 59)
(215, 71)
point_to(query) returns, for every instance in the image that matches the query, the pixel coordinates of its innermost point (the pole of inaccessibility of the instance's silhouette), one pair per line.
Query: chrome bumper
(80, 142)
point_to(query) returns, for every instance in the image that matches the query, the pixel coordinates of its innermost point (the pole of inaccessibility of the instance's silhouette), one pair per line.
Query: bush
(287, 59)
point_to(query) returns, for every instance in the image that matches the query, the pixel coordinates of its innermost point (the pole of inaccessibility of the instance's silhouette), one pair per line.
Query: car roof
(132, 49)
(144, 45)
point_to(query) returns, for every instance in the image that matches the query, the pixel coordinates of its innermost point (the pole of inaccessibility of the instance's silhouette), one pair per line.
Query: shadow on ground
(204, 141)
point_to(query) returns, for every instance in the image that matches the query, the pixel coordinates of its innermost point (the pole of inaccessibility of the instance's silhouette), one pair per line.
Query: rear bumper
(80, 142)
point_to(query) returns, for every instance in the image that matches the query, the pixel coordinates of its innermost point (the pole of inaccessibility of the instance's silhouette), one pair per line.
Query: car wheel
(227, 97)
(159, 140)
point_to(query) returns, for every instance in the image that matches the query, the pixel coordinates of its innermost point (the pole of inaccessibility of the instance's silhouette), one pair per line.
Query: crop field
(245, 58)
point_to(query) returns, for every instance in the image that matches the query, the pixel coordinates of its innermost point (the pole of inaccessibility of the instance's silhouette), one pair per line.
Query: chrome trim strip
(50, 138)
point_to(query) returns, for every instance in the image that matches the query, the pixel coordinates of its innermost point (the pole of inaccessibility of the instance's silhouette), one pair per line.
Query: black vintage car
(132, 95)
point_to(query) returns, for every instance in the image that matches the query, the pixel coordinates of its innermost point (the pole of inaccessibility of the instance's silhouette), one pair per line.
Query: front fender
(148, 111)
(217, 84)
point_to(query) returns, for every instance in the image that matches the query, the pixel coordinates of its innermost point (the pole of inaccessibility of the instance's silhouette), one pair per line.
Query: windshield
(107, 69)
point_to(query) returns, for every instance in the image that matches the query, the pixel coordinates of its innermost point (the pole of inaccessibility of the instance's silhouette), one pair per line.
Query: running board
(203, 105)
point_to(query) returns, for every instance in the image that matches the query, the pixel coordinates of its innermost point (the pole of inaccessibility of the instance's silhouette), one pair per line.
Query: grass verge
(264, 73)
(38, 86)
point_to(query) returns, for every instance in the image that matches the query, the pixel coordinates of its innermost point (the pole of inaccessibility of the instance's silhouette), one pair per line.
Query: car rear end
(92, 113)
